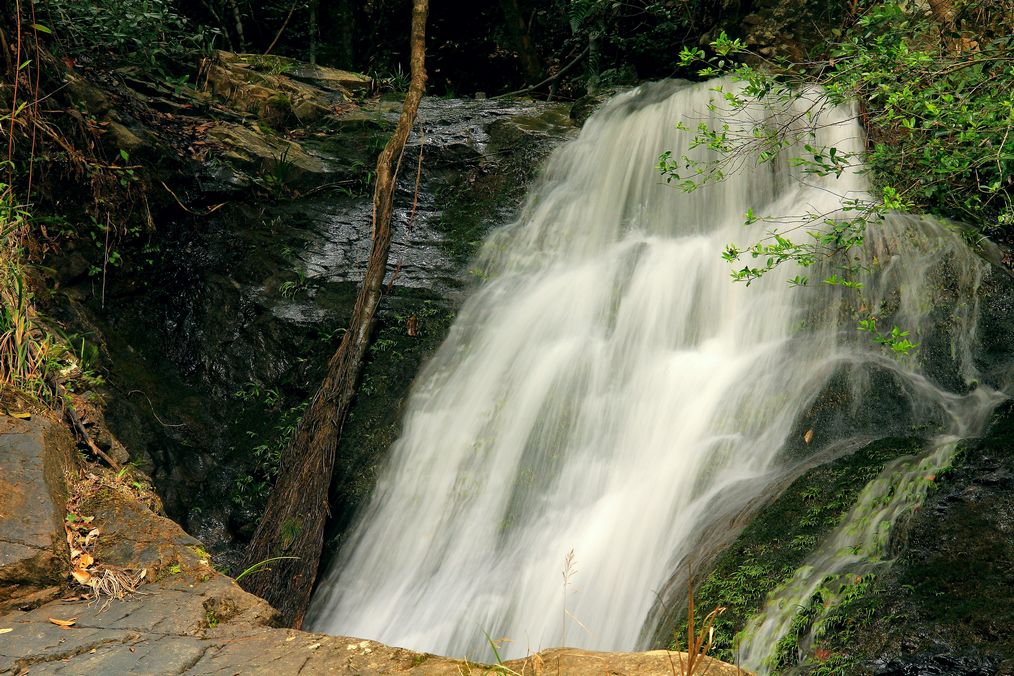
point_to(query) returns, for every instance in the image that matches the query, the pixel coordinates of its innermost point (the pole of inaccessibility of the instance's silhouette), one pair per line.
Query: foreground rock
(214, 627)
(188, 618)
(33, 463)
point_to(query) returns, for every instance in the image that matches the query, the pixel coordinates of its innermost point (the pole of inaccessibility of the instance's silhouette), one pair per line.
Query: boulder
(36, 458)
(281, 92)
(285, 161)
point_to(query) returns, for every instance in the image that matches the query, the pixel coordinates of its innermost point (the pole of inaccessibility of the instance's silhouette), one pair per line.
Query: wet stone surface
(230, 329)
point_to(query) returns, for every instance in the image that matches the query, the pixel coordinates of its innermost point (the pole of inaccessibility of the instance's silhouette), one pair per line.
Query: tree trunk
(943, 13)
(313, 33)
(294, 519)
(345, 19)
(515, 24)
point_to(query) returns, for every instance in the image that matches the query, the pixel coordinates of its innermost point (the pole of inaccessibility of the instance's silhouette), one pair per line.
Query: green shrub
(147, 33)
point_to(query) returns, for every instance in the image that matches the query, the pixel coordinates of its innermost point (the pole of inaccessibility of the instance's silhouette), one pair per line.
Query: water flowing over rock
(608, 391)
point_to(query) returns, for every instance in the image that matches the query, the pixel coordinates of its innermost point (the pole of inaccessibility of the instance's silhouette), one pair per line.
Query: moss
(201, 553)
(779, 538)
(947, 603)
(520, 145)
(374, 419)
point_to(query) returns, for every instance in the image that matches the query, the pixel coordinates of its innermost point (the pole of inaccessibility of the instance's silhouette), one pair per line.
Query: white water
(608, 390)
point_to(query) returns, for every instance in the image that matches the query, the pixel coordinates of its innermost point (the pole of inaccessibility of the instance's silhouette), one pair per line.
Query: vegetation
(147, 33)
(934, 95)
(25, 345)
(934, 98)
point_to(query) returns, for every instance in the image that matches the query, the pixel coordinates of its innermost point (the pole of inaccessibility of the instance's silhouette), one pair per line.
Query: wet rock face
(947, 606)
(788, 28)
(227, 333)
(34, 464)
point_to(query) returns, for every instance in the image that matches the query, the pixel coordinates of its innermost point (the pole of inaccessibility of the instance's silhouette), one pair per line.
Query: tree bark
(313, 33)
(296, 513)
(515, 24)
(943, 13)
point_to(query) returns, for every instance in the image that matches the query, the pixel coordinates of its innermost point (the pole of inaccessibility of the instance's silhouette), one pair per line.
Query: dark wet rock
(34, 464)
(780, 28)
(946, 606)
(251, 299)
(935, 665)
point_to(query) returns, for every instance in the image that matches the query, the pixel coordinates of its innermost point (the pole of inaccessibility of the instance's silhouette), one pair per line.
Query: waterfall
(608, 391)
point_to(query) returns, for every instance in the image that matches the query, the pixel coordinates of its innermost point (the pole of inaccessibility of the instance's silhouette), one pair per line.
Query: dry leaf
(92, 534)
(75, 552)
(6, 630)
(20, 415)
(63, 623)
(82, 576)
(808, 437)
(85, 561)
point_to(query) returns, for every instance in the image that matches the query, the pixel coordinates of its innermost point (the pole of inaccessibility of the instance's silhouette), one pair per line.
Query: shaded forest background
(490, 47)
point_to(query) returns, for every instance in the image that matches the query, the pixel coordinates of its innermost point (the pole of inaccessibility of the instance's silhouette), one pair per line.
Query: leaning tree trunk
(293, 522)
(518, 32)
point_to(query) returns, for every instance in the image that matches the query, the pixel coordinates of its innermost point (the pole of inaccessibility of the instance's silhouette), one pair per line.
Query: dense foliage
(934, 93)
(475, 46)
(148, 33)
(935, 99)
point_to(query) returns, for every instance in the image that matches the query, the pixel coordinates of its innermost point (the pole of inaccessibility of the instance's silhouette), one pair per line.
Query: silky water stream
(608, 391)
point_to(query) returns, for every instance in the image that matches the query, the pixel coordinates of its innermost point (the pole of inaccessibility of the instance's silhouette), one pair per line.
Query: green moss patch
(782, 535)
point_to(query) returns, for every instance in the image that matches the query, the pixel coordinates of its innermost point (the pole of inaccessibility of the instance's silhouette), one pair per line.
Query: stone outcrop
(280, 92)
(34, 461)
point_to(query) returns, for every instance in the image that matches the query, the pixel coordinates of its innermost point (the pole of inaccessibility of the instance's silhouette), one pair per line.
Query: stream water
(608, 391)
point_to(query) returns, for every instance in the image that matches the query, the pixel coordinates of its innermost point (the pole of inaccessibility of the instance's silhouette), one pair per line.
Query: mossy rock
(778, 539)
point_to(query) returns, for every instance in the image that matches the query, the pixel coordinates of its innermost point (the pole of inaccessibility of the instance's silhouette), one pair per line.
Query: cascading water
(609, 391)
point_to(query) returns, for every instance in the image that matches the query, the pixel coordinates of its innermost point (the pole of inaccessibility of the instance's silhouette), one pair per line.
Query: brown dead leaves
(83, 536)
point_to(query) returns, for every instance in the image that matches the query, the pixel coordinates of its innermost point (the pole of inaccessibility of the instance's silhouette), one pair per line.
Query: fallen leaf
(82, 576)
(85, 561)
(6, 630)
(92, 534)
(808, 437)
(21, 415)
(63, 623)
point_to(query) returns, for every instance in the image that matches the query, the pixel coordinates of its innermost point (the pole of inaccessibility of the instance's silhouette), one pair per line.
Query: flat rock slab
(185, 626)
(189, 619)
